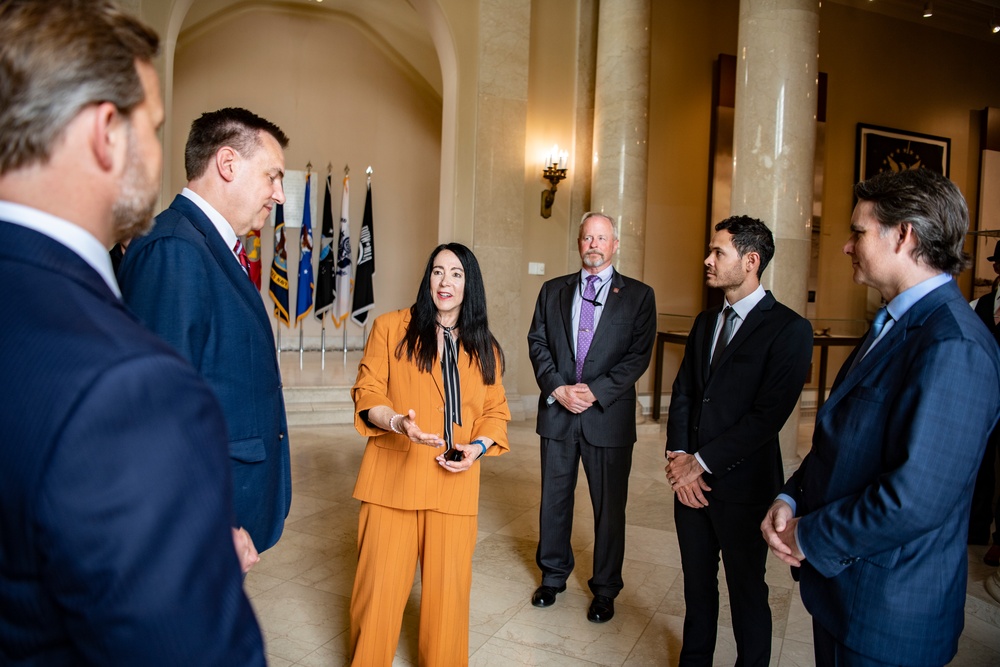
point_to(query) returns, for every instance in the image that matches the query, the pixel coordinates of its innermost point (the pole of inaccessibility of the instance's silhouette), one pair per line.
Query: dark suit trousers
(733, 529)
(607, 470)
(831, 653)
(983, 511)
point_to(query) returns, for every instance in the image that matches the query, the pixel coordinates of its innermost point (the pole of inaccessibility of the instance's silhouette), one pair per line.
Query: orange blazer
(396, 472)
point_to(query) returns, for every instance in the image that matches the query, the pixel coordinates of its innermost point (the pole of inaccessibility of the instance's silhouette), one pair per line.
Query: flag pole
(278, 345)
(345, 342)
(322, 346)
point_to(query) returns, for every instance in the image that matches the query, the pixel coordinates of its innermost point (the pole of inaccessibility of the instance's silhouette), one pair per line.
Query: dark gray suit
(731, 417)
(603, 435)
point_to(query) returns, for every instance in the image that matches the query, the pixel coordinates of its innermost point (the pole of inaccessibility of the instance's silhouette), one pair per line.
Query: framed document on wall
(884, 149)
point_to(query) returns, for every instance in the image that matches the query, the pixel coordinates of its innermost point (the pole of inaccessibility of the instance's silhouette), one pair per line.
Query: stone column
(505, 30)
(621, 126)
(774, 141)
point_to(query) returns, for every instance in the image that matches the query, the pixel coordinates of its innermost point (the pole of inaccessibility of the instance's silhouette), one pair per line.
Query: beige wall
(901, 75)
(687, 39)
(340, 99)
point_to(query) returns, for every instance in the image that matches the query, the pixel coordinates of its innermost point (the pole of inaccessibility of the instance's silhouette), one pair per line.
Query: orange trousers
(390, 543)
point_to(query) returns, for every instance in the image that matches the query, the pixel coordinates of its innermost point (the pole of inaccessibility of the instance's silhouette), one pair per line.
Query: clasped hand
(778, 528)
(684, 473)
(575, 397)
(408, 425)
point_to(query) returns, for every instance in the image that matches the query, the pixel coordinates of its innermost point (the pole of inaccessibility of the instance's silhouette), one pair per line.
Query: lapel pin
(615, 290)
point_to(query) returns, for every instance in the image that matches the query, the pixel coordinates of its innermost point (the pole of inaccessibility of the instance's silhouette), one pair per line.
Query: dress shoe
(545, 596)
(602, 609)
(992, 557)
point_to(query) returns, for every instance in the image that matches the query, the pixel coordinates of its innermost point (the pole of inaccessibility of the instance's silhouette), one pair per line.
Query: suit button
(281, 436)
(705, 400)
(696, 429)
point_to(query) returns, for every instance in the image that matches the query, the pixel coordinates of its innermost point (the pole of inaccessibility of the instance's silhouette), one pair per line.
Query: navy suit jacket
(618, 356)
(732, 416)
(884, 494)
(115, 514)
(187, 286)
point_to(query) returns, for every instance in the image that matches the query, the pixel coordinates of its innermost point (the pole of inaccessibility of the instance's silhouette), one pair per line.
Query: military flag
(253, 240)
(364, 285)
(342, 296)
(279, 268)
(327, 260)
(304, 301)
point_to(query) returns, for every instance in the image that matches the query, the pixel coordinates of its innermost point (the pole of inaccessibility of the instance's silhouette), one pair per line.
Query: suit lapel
(704, 351)
(613, 297)
(753, 320)
(225, 259)
(887, 347)
(566, 307)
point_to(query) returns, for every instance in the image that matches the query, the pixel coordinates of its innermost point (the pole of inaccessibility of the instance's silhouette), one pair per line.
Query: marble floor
(301, 588)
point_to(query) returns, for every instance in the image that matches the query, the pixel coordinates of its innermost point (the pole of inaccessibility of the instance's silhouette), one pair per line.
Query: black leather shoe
(602, 609)
(545, 596)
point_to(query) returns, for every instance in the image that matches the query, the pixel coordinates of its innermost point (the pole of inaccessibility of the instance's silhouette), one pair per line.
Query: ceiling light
(928, 10)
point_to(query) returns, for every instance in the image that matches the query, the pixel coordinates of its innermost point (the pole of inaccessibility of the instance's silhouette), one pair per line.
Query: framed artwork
(884, 149)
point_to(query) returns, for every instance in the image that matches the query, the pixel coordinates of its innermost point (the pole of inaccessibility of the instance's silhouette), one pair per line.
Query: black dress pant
(983, 511)
(607, 470)
(733, 529)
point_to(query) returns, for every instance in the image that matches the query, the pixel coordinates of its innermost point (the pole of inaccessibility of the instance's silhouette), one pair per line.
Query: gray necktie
(728, 324)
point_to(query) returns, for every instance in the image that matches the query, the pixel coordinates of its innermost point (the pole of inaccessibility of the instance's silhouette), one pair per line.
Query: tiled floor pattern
(301, 588)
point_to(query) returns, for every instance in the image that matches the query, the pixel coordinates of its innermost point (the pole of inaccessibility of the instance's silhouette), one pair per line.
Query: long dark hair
(474, 333)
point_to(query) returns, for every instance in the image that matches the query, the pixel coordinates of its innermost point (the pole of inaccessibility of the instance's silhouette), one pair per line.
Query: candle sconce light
(554, 171)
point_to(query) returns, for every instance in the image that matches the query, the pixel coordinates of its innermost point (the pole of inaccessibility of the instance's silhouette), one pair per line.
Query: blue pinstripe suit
(884, 494)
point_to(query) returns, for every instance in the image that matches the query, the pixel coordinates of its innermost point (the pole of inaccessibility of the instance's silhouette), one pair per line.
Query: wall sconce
(554, 171)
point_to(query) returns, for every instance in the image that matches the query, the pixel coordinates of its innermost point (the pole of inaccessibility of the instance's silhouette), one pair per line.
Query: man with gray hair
(115, 513)
(875, 520)
(590, 341)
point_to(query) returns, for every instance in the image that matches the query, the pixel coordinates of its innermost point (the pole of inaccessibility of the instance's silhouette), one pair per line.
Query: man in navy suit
(875, 519)
(586, 410)
(188, 281)
(115, 503)
(743, 369)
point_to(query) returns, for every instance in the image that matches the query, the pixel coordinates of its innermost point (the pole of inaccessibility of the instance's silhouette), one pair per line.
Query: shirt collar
(907, 298)
(747, 303)
(66, 233)
(602, 277)
(220, 223)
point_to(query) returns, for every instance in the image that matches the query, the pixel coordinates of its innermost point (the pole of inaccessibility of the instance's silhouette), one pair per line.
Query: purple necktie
(586, 333)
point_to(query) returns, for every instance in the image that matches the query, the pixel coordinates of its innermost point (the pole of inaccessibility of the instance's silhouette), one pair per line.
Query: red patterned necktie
(242, 254)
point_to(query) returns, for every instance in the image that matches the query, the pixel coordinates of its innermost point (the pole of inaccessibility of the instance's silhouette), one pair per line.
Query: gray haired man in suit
(591, 338)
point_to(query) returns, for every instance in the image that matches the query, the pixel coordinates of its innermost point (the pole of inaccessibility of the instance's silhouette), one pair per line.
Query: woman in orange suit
(430, 400)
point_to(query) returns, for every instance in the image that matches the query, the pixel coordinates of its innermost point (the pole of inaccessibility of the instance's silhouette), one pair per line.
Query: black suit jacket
(732, 416)
(618, 356)
(984, 309)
